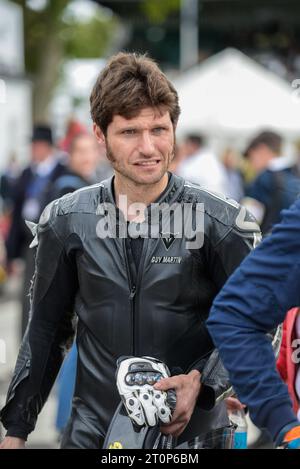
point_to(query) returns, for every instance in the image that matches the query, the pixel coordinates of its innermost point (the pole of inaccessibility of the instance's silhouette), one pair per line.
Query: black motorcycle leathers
(157, 308)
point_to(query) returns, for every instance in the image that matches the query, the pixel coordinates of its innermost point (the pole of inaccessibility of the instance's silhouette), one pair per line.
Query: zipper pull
(132, 293)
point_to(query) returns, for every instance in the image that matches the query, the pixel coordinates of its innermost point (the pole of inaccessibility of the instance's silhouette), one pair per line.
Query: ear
(98, 134)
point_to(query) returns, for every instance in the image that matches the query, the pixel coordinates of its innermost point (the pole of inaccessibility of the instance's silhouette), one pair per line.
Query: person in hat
(33, 191)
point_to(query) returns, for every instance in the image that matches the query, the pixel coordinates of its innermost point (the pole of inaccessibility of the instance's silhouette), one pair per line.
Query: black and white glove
(145, 405)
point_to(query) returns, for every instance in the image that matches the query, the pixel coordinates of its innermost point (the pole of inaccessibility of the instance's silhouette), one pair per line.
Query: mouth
(147, 164)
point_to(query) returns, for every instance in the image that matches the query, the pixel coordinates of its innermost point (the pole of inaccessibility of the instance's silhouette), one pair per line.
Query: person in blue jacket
(254, 300)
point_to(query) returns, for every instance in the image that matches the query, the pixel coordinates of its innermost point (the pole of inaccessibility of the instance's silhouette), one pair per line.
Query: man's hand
(136, 377)
(10, 442)
(233, 404)
(187, 389)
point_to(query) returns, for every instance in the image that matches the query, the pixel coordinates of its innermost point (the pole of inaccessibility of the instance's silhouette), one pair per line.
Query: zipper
(138, 281)
(132, 292)
(133, 314)
(133, 288)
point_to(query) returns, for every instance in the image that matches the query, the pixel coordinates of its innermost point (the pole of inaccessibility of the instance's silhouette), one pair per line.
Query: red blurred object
(74, 128)
(5, 222)
(285, 365)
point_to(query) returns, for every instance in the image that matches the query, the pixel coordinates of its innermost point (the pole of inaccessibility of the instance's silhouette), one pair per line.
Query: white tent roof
(231, 95)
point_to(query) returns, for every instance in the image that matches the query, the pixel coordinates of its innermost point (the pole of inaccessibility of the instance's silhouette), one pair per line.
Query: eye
(158, 130)
(129, 132)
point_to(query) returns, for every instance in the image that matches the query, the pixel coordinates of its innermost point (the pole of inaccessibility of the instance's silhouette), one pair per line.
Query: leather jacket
(158, 310)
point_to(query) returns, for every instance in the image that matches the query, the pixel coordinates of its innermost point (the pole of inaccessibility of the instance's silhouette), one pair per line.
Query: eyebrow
(138, 127)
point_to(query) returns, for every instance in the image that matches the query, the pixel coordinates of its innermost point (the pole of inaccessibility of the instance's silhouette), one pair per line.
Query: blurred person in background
(3, 273)
(235, 183)
(7, 189)
(191, 145)
(81, 168)
(33, 191)
(7, 184)
(74, 128)
(179, 156)
(277, 183)
(188, 148)
(201, 166)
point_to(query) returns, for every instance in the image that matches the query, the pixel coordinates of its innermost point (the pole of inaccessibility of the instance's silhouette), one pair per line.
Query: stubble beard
(130, 175)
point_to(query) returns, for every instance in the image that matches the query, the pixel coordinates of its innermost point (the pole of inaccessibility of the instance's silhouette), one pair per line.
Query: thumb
(164, 384)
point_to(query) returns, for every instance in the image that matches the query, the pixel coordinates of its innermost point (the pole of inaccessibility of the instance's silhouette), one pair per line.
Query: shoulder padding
(220, 208)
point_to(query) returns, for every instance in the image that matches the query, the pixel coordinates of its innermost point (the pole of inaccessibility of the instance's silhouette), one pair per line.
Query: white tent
(15, 90)
(231, 96)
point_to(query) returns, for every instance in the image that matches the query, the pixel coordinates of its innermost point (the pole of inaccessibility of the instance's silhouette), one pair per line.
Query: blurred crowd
(263, 178)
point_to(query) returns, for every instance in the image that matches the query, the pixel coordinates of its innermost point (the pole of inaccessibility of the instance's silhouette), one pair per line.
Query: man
(134, 295)
(32, 193)
(254, 301)
(277, 183)
(201, 166)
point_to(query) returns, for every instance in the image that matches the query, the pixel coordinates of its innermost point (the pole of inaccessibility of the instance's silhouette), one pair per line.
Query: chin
(149, 179)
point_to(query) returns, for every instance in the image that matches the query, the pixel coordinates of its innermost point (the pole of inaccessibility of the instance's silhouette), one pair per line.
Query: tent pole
(189, 11)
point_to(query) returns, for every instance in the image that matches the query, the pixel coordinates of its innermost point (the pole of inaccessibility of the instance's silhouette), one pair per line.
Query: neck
(136, 194)
(46, 158)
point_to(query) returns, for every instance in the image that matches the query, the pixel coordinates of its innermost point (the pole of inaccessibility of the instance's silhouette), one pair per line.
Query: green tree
(157, 11)
(51, 37)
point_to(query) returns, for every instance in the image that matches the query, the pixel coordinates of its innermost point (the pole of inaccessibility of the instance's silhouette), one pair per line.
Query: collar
(281, 162)
(168, 197)
(46, 167)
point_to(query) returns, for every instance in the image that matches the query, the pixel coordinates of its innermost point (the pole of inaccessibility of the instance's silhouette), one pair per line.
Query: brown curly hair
(129, 83)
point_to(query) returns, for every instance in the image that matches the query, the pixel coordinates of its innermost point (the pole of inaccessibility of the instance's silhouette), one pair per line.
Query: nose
(146, 146)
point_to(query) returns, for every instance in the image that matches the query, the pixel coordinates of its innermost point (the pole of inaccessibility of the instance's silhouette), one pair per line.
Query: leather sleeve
(226, 247)
(215, 382)
(49, 332)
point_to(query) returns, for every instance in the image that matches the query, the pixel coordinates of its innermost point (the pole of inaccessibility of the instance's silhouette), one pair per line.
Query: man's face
(40, 151)
(141, 148)
(190, 148)
(84, 156)
(260, 157)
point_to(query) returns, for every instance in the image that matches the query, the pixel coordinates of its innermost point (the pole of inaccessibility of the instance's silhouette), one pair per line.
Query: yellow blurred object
(3, 275)
(247, 171)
